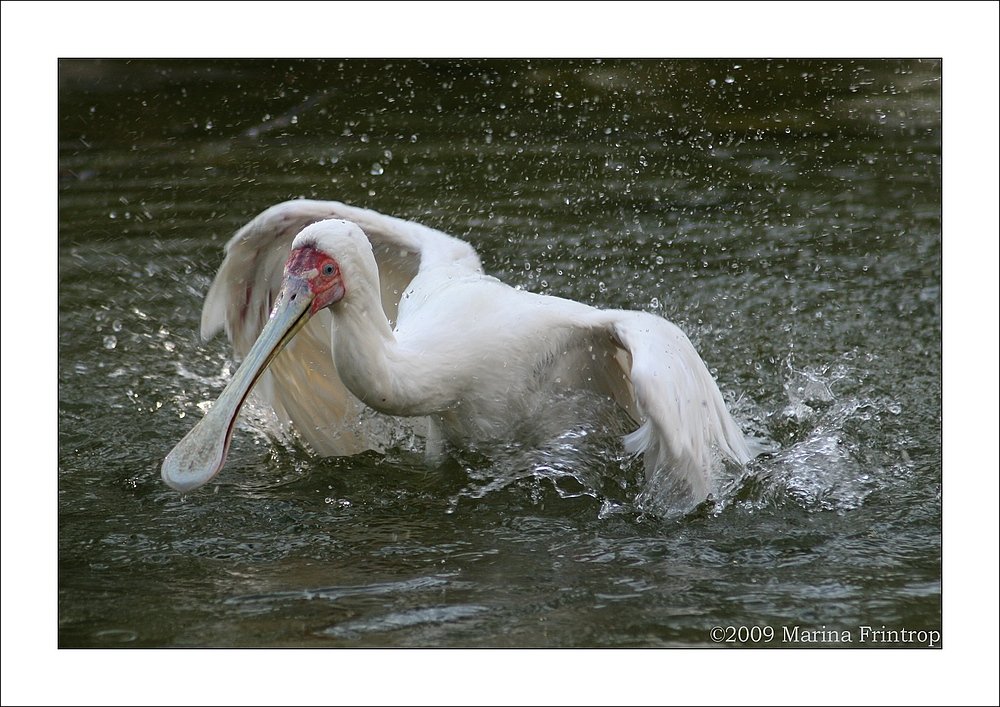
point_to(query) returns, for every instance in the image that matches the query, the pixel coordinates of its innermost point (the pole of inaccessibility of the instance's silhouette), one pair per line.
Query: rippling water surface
(787, 215)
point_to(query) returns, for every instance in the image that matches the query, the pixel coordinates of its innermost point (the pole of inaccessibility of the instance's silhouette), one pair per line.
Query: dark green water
(787, 215)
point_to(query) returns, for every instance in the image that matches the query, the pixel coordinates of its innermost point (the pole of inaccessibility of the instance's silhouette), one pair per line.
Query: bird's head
(328, 259)
(325, 257)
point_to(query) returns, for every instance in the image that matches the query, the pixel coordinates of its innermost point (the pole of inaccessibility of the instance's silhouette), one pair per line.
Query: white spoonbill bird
(370, 310)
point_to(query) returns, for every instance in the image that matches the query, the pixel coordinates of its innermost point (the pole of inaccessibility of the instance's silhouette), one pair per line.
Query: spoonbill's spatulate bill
(334, 308)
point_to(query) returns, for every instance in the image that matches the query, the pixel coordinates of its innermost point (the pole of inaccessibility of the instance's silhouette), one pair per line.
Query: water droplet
(377, 169)
(110, 342)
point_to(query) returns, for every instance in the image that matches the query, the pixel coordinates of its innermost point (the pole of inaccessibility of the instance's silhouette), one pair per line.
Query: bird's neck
(362, 344)
(369, 359)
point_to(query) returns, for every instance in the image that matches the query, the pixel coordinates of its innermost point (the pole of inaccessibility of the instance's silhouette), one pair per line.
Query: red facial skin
(321, 272)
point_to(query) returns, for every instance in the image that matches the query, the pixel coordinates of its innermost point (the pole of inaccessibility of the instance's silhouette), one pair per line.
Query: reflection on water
(785, 214)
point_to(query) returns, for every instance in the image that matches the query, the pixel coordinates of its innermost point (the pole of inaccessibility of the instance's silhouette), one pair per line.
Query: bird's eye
(328, 269)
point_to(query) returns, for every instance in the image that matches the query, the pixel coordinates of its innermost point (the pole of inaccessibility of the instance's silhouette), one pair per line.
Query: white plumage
(376, 311)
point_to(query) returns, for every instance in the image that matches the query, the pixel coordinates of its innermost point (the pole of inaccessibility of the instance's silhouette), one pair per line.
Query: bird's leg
(434, 444)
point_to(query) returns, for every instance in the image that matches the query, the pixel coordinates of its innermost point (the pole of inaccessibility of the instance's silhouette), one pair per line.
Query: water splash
(823, 471)
(576, 453)
(822, 465)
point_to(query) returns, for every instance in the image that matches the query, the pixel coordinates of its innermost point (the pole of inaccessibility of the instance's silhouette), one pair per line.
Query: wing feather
(686, 426)
(302, 384)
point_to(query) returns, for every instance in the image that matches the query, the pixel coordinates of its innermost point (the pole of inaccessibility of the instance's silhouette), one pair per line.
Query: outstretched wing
(249, 278)
(302, 384)
(650, 369)
(685, 426)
